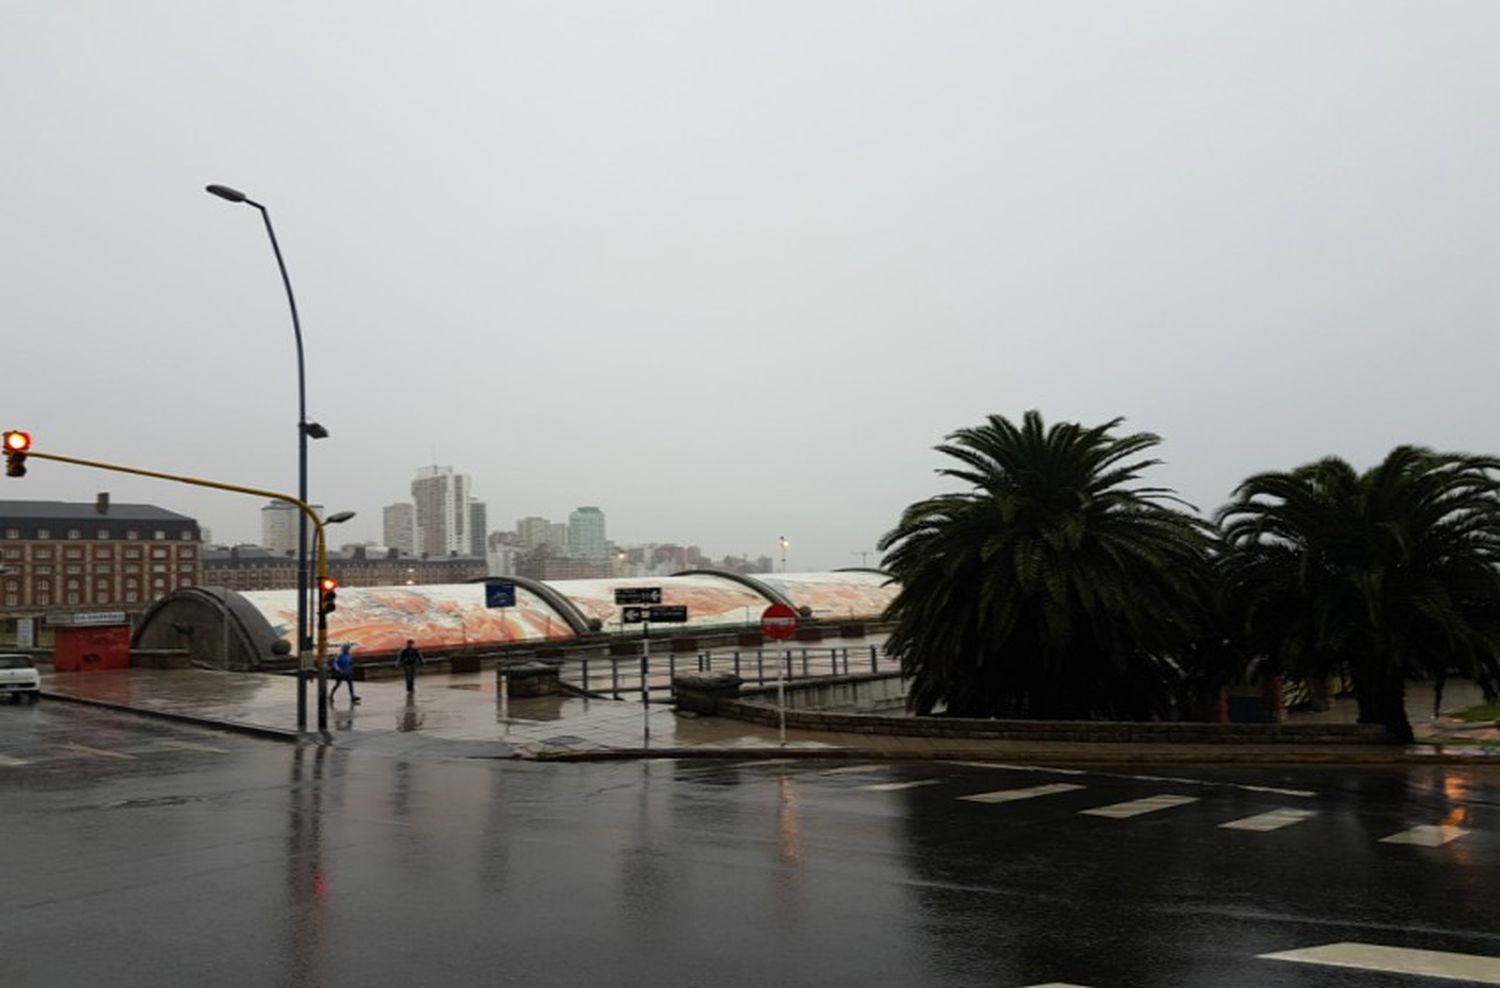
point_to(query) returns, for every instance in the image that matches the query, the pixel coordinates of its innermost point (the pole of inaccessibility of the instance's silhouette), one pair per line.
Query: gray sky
(730, 270)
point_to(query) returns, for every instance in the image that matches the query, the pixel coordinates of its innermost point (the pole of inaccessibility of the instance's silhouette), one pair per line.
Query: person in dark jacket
(343, 673)
(409, 658)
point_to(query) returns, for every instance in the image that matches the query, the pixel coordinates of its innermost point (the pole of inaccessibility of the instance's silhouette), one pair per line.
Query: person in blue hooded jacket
(343, 673)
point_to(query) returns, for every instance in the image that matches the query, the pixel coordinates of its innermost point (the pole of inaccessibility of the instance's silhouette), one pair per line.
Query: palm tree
(1055, 587)
(1387, 574)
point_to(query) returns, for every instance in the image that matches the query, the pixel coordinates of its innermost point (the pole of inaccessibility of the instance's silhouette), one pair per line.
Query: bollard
(760, 667)
(736, 662)
(504, 696)
(614, 675)
(585, 673)
(804, 663)
(872, 659)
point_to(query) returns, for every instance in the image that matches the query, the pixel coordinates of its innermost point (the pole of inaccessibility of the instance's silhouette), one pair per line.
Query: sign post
(780, 622)
(501, 594)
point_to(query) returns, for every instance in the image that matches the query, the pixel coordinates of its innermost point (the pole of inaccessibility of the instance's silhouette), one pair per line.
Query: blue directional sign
(498, 593)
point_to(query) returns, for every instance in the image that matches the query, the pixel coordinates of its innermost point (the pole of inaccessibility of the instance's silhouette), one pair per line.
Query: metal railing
(620, 676)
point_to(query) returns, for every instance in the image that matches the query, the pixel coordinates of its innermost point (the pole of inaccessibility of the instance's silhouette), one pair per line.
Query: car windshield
(15, 662)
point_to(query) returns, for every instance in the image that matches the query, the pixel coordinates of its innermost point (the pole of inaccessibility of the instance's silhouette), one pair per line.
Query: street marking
(1058, 984)
(96, 752)
(1030, 792)
(855, 770)
(191, 746)
(1273, 790)
(1136, 807)
(1397, 960)
(895, 786)
(1271, 820)
(758, 762)
(1426, 835)
(10, 762)
(1022, 768)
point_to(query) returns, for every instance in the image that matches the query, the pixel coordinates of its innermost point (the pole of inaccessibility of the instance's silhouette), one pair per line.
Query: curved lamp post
(305, 430)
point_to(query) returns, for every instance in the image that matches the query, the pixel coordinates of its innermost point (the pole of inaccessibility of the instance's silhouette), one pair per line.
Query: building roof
(84, 510)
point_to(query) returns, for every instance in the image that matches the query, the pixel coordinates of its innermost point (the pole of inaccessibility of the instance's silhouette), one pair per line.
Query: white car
(18, 678)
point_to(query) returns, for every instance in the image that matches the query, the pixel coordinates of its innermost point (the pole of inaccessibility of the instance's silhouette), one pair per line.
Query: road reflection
(307, 888)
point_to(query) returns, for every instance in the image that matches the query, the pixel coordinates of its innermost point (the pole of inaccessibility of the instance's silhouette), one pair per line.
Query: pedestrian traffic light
(16, 444)
(327, 595)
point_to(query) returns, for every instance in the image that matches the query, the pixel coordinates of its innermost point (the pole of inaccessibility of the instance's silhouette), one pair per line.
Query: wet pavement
(464, 714)
(142, 852)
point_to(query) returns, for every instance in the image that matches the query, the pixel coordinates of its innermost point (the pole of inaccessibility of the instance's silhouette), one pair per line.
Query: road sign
(778, 621)
(638, 595)
(500, 593)
(659, 613)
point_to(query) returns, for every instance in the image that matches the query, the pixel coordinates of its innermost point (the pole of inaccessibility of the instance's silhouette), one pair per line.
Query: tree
(1056, 587)
(1387, 574)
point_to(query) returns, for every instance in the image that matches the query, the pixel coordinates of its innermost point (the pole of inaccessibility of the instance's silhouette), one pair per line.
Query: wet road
(141, 853)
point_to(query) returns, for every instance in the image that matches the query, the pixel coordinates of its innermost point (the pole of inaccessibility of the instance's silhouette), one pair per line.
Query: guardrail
(615, 676)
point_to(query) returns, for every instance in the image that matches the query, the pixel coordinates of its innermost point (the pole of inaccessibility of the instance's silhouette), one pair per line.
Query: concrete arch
(771, 594)
(565, 608)
(193, 618)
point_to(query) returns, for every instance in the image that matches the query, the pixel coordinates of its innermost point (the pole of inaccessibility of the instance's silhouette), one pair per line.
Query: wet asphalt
(136, 852)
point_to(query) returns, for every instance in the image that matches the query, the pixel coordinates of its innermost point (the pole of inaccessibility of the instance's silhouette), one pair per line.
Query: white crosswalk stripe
(1138, 807)
(1049, 770)
(84, 749)
(1030, 792)
(855, 770)
(1397, 960)
(8, 761)
(1270, 820)
(1058, 984)
(190, 746)
(897, 786)
(1426, 835)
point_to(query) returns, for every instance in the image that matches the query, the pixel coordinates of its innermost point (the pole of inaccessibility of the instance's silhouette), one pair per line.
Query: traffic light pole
(308, 514)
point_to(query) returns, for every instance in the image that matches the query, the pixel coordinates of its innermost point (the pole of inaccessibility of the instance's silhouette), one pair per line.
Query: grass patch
(1485, 711)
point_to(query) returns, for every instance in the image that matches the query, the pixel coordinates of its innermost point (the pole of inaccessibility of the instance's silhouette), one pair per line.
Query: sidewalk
(460, 715)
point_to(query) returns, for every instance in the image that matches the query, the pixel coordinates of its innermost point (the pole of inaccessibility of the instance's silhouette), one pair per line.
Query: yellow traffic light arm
(306, 509)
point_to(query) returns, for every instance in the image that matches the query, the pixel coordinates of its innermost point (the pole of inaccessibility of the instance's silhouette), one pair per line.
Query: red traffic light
(328, 583)
(17, 442)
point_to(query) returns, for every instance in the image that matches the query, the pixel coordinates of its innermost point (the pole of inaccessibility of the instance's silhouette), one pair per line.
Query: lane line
(1426, 835)
(1270, 820)
(1058, 984)
(1397, 960)
(191, 746)
(1137, 807)
(1022, 768)
(896, 786)
(856, 770)
(10, 762)
(96, 752)
(758, 762)
(1030, 792)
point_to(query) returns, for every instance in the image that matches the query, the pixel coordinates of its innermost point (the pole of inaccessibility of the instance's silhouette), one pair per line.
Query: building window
(43, 533)
(159, 552)
(103, 533)
(12, 553)
(72, 552)
(13, 533)
(11, 600)
(186, 552)
(184, 581)
(42, 569)
(131, 535)
(159, 567)
(74, 533)
(72, 568)
(104, 552)
(158, 535)
(131, 597)
(104, 568)
(185, 535)
(132, 554)
(132, 567)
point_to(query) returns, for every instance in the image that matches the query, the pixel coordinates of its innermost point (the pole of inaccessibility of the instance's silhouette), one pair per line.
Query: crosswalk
(876, 778)
(40, 755)
(1378, 958)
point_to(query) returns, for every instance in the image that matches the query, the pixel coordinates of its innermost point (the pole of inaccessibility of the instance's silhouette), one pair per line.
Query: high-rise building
(586, 534)
(278, 527)
(400, 529)
(557, 536)
(478, 527)
(532, 532)
(440, 499)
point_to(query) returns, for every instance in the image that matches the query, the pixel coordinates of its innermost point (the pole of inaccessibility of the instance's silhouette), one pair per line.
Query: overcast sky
(730, 270)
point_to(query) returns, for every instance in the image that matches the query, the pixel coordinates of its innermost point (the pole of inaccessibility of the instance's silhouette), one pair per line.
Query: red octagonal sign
(778, 621)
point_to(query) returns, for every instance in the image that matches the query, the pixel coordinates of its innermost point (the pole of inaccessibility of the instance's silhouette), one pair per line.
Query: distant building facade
(399, 529)
(63, 556)
(586, 539)
(478, 527)
(278, 526)
(250, 567)
(440, 499)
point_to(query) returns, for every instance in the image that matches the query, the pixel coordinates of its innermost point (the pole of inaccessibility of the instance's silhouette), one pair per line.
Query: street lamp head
(225, 192)
(338, 518)
(314, 430)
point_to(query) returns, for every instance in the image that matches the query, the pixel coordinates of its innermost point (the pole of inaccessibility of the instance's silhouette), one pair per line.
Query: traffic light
(327, 595)
(16, 444)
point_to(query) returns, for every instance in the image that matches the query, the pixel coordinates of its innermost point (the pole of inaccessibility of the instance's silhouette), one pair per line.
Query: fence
(620, 675)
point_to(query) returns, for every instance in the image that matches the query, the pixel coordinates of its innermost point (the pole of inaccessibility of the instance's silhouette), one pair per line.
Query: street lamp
(305, 430)
(337, 518)
(784, 544)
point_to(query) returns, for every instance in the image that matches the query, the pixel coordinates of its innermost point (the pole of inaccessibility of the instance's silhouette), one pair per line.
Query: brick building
(252, 567)
(59, 556)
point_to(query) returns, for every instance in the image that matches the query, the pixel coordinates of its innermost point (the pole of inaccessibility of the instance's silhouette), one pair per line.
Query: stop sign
(778, 621)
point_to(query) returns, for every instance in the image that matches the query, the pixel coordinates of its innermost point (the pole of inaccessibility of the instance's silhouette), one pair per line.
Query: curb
(1165, 756)
(238, 727)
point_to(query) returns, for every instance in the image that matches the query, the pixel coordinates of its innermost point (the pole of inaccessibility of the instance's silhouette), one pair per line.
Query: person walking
(343, 674)
(409, 658)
